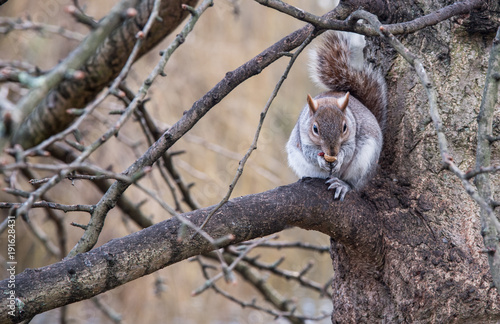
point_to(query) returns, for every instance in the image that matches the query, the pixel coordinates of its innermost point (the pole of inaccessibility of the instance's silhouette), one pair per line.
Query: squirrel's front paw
(340, 187)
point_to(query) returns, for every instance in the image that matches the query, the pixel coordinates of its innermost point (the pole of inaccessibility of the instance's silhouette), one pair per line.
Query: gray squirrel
(338, 135)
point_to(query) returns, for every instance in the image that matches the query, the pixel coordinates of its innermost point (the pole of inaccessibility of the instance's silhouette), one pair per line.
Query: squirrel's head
(329, 127)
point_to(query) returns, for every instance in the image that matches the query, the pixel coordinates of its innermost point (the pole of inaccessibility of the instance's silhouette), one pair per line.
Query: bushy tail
(332, 68)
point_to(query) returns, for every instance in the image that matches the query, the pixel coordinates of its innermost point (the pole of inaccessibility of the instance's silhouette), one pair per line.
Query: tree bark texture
(432, 270)
(50, 116)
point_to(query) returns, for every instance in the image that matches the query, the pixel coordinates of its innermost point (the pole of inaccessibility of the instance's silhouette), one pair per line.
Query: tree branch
(306, 204)
(326, 22)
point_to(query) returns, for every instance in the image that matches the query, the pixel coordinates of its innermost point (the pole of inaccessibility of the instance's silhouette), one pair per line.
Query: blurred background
(227, 35)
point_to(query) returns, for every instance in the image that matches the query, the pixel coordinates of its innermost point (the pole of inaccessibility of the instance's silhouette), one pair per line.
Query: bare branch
(325, 22)
(297, 276)
(116, 82)
(9, 24)
(472, 173)
(260, 284)
(130, 209)
(52, 205)
(298, 244)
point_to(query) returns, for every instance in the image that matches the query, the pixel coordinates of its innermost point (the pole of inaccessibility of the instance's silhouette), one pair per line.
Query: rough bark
(430, 227)
(50, 116)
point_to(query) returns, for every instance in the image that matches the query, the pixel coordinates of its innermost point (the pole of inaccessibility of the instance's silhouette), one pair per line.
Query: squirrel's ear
(313, 104)
(342, 102)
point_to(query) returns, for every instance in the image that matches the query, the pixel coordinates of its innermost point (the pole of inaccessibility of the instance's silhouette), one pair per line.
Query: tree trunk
(429, 266)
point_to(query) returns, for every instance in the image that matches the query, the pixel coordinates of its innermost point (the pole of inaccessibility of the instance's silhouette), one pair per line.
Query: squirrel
(338, 135)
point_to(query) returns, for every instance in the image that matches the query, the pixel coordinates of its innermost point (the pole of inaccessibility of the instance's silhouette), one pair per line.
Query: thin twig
(8, 24)
(294, 318)
(287, 274)
(298, 244)
(209, 282)
(473, 173)
(43, 238)
(110, 313)
(51, 205)
(23, 210)
(253, 277)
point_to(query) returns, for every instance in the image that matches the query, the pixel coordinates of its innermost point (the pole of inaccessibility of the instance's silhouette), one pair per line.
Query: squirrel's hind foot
(340, 187)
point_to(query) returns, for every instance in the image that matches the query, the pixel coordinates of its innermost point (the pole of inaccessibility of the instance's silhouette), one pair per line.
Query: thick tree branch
(306, 204)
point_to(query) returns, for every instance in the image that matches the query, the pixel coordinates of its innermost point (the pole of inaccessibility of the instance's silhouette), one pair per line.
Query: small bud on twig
(70, 9)
(131, 12)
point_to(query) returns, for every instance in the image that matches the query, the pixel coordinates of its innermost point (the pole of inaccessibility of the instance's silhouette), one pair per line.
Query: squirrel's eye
(344, 127)
(315, 129)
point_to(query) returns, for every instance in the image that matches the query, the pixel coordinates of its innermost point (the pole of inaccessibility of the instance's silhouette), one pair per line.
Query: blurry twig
(298, 244)
(232, 155)
(107, 310)
(9, 24)
(254, 278)
(288, 314)
(43, 238)
(11, 70)
(490, 227)
(473, 173)
(211, 281)
(287, 274)
(79, 14)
